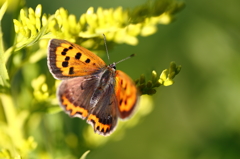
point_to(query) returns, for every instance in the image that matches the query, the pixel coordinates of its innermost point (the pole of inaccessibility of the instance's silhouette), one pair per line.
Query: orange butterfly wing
(66, 59)
(126, 93)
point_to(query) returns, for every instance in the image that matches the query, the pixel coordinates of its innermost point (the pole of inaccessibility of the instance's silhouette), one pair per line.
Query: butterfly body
(90, 89)
(104, 83)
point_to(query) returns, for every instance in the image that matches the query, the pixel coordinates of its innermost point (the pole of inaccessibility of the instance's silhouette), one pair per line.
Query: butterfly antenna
(104, 37)
(125, 58)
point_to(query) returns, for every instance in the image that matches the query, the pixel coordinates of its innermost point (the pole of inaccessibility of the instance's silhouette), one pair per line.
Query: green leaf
(85, 155)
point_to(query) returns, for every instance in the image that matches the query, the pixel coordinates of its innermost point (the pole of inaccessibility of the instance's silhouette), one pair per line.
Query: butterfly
(91, 89)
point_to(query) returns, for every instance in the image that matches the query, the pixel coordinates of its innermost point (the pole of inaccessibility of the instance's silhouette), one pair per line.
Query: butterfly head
(112, 66)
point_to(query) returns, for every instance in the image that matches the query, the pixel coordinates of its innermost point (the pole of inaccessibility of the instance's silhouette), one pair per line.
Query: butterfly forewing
(126, 93)
(66, 60)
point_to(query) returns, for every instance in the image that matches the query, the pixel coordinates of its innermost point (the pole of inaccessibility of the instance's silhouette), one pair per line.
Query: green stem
(4, 78)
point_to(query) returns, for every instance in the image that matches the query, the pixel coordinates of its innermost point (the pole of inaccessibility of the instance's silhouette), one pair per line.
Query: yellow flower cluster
(119, 25)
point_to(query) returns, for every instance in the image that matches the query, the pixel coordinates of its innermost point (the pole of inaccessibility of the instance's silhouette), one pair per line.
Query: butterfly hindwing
(66, 60)
(104, 115)
(75, 95)
(126, 93)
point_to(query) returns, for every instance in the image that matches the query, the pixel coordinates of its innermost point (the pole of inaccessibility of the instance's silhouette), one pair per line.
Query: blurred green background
(199, 116)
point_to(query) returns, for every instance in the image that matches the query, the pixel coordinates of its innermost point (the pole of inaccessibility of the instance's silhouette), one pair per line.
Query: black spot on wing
(64, 52)
(93, 122)
(67, 58)
(120, 102)
(125, 102)
(71, 70)
(78, 56)
(88, 61)
(65, 64)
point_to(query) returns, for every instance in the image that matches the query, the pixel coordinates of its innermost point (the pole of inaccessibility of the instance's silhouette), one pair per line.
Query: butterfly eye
(113, 66)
